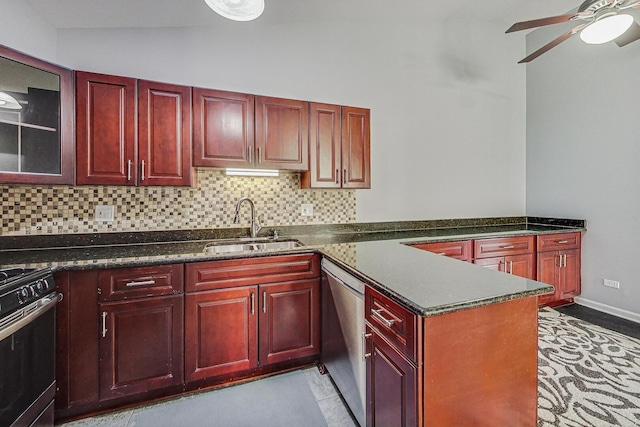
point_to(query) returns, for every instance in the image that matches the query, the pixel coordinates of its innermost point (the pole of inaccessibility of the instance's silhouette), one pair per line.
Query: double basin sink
(249, 245)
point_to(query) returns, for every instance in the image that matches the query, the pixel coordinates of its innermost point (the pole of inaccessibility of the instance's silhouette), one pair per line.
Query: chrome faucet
(255, 223)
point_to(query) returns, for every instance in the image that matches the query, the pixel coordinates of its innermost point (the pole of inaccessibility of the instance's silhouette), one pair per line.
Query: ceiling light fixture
(9, 102)
(252, 172)
(237, 10)
(606, 29)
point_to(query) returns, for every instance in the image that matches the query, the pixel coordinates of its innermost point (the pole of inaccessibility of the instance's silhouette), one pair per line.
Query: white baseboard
(618, 312)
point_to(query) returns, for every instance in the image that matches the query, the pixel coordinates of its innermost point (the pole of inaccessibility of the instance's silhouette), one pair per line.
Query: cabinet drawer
(504, 246)
(126, 283)
(458, 250)
(553, 242)
(250, 271)
(394, 322)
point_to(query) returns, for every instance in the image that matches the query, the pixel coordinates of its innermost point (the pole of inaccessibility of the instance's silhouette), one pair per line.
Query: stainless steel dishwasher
(343, 335)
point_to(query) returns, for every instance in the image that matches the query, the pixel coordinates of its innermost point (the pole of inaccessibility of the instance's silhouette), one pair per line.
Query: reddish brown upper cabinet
(37, 143)
(282, 133)
(164, 134)
(223, 131)
(339, 147)
(559, 265)
(107, 127)
(512, 255)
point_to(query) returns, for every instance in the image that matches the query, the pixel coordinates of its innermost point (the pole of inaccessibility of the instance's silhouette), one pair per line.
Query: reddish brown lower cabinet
(221, 332)
(289, 321)
(392, 388)
(518, 265)
(559, 265)
(464, 370)
(141, 346)
(461, 250)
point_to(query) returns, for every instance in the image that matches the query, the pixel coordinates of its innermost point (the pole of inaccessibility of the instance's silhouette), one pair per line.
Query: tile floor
(327, 397)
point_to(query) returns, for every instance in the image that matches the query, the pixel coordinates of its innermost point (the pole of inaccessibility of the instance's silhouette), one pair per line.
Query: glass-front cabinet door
(36, 120)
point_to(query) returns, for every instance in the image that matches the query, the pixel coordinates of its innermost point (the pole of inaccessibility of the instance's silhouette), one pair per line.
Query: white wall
(583, 152)
(25, 30)
(447, 97)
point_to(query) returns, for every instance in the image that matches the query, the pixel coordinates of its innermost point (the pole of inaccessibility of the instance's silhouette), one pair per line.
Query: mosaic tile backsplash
(55, 209)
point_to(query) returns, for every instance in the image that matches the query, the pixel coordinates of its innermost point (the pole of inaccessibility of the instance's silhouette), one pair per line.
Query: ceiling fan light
(606, 29)
(9, 102)
(237, 10)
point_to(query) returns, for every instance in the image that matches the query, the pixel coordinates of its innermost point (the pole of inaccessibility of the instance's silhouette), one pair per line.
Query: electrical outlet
(611, 283)
(104, 213)
(306, 209)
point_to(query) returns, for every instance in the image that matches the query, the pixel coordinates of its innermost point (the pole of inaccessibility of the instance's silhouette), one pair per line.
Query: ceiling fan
(600, 21)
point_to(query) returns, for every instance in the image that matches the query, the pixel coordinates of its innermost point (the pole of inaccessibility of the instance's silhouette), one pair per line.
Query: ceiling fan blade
(525, 25)
(549, 46)
(629, 36)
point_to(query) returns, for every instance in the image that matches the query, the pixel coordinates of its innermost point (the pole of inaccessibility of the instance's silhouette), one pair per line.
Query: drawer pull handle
(378, 314)
(253, 303)
(141, 283)
(441, 253)
(507, 247)
(365, 336)
(562, 242)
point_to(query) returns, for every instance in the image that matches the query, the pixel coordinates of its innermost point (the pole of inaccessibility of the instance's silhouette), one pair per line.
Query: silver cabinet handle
(507, 247)
(250, 154)
(346, 177)
(565, 260)
(141, 283)
(365, 336)
(510, 267)
(337, 176)
(259, 155)
(378, 314)
(142, 174)
(264, 302)
(104, 324)
(562, 242)
(253, 303)
(129, 162)
(559, 261)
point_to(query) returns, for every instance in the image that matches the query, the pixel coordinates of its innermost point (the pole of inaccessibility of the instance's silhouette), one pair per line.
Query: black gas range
(27, 346)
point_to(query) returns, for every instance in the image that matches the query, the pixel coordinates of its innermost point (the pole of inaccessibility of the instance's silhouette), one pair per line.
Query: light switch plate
(306, 209)
(104, 213)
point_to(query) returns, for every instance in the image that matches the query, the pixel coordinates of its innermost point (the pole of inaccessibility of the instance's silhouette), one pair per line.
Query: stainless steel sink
(256, 246)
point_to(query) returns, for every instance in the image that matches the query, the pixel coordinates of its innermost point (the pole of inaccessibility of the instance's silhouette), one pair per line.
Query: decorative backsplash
(55, 209)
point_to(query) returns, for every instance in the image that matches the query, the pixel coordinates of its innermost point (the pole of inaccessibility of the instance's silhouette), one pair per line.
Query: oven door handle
(28, 314)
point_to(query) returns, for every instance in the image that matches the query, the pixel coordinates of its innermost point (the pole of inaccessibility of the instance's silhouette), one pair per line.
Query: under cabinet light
(252, 172)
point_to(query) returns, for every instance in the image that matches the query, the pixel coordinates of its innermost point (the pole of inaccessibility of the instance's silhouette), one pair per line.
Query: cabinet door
(496, 263)
(289, 320)
(521, 265)
(548, 266)
(391, 385)
(164, 134)
(282, 133)
(223, 131)
(106, 126)
(141, 345)
(221, 328)
(356, 169)
(324, 147)
(569, 274)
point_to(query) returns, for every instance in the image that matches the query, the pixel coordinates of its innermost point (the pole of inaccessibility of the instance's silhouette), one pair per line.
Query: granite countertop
(426, 283)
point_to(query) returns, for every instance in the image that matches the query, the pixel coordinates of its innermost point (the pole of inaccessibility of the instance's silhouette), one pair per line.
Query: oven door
(27, 371)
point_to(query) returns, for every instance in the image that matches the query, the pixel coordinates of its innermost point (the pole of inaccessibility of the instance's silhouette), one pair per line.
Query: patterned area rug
(587, 375)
